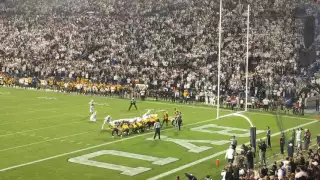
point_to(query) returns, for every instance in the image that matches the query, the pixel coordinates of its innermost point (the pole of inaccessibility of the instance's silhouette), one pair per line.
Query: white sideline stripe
(104, 144)
(216, 155)
(92, 147)
(26, 145)
(41, 128)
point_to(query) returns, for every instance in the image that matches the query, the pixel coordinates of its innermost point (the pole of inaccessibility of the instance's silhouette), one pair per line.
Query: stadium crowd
(165, 44)
(170, 46)
(303, 166)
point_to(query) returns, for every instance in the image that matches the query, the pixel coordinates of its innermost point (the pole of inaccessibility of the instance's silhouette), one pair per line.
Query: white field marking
(45, 117)
(28, 106)
(47, 127)
(58, 115)
(93, 147)
(107, 143)
(79, 143)
(216, 155)
(171, 104)
(39, 142)
(39, 110)
(226, 110)
(47, 98)
(72, 141)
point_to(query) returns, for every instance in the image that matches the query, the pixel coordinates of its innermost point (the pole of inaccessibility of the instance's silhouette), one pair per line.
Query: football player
(165, 118)
(106, 120)
(125, 129)
(93, 117)
(91, 103)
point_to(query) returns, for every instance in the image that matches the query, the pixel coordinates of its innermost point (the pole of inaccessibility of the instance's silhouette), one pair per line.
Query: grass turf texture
(33, 128)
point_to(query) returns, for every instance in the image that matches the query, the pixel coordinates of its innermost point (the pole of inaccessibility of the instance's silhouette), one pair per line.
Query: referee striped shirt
(157, 125)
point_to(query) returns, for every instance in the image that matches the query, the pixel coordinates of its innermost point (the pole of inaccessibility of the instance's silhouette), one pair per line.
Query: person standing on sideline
(265, 104)
(268, 137)
(157, 128)
(317, 104)
(230, 155)
(307, 139)
(179, 121)
(282, 142)
(233, 142)
(133, 103)
(298, 139)
(262, 152)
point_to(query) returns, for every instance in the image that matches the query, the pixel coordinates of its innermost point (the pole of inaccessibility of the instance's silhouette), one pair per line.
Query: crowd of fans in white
(162, 43)
(165, 44)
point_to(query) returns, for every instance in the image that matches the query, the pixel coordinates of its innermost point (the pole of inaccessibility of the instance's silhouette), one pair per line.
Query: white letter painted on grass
(224, 130)
(187, 143)
(130, 171)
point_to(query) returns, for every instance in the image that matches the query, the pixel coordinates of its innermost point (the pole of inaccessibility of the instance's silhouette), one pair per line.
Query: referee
(179, 121)
(157, 127)
(132, 103)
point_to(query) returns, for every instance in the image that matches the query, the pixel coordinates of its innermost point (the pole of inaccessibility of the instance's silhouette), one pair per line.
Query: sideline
(166, 103)
(216, 155)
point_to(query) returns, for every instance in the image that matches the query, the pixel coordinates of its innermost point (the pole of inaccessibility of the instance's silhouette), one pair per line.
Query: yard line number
(186, 143)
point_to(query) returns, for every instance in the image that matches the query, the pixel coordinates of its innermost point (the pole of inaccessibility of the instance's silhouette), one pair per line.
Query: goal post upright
(219, 60)
(247, 59)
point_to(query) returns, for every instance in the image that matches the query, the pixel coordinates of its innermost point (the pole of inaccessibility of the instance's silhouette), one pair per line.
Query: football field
(47, 135)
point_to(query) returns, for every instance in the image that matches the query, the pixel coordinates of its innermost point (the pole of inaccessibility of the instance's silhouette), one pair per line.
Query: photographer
(190, 176)
(262, 151)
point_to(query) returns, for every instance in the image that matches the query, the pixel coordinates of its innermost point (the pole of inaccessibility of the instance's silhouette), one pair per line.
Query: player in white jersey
(146, 115)
(298, 138)
(139, 119)
(93, 117)
(132, 120)
(91, 103)
(106, 120)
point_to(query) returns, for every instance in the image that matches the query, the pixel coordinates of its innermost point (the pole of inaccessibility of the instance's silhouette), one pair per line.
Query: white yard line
(216, 155)
(45, 117)
(28, 106)
(49, 140)
(92, 147)
(39, 110)
(47, 127)
(120, 140)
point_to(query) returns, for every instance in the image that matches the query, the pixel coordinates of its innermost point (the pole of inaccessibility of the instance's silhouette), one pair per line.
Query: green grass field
(38, 136)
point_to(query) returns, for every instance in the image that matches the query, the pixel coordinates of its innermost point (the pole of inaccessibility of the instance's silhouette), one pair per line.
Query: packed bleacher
(170, 46)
